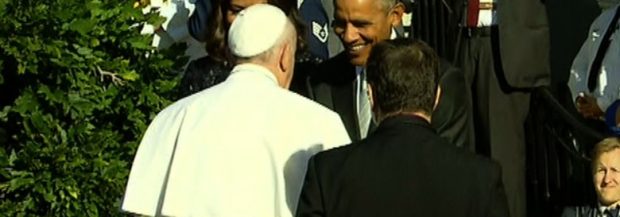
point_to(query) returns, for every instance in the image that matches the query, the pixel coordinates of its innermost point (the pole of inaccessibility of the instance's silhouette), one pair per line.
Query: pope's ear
(285, 56)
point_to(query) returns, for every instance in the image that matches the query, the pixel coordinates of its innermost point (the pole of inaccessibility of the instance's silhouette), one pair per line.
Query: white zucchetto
(256, 29)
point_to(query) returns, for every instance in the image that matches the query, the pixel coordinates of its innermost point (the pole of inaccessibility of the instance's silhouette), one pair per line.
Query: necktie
(364, 112)
(611, 212)
(595, 68)
(473, 8)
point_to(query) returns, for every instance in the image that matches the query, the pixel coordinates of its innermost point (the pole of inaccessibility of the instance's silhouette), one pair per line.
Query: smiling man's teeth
(357, 47)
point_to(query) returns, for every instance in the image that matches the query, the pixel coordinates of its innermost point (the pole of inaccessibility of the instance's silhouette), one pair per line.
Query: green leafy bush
(78, 87)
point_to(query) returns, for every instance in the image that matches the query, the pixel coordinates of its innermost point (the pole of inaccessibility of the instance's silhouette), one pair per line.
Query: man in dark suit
(404, 168)
(339, 82)
(504, 54)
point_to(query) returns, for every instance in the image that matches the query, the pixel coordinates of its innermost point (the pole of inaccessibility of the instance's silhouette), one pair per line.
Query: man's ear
(376, 112)
(284, 57)
(437, 97)
(396, 14)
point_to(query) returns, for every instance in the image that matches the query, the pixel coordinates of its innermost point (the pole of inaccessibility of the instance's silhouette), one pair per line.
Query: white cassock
(237, 149)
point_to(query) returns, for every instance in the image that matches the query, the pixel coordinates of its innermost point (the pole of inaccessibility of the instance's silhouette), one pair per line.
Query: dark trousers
(499, 115)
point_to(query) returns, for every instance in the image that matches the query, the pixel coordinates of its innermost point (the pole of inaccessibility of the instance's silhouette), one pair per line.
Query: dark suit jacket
(403, 169)
(333, 85)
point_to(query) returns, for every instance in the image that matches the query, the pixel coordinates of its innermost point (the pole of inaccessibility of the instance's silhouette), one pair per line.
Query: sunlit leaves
(86, 84)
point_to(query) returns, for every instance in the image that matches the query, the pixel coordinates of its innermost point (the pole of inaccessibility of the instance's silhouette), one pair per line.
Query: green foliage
(78, 87)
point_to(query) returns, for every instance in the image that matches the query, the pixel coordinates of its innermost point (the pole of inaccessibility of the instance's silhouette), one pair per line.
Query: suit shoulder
(335, 70)
(334, 156)
(446, 68)
(466, 159)
(337, 60)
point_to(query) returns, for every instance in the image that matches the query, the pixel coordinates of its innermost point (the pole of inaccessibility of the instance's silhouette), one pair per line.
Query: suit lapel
(333, 86)
(344, 104)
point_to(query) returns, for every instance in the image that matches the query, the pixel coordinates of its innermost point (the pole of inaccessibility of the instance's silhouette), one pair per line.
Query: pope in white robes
(239, 148)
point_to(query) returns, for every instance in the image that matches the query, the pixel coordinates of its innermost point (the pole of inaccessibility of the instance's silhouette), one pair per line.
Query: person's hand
(587, 106)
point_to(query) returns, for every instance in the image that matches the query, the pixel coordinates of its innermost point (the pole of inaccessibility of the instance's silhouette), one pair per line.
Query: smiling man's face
(362, 23)
(607, 177)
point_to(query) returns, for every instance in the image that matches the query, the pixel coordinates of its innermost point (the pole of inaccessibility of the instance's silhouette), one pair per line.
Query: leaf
(156, 20)
(21, 68)
(72, 192)
(4, 159)
(130, 75)
(49, 196)
(94, 42)
(63, 134)
(84, 51)
(140, 43)
(38, 122)
(83, 26)
(3, 7)
(25, 103)
(19, 182)
(4, 113)
(12, 158)
(94, 6)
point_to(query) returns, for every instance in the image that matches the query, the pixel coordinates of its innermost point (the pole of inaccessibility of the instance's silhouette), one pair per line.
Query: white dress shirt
(239, 148)
(488, 17)
(608, 87)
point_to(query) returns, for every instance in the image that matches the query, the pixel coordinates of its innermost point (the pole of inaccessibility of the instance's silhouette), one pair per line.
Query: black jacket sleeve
(453, 117)
(311, 200)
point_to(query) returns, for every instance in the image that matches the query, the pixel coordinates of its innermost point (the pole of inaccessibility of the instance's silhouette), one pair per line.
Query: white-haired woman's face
(236, 6)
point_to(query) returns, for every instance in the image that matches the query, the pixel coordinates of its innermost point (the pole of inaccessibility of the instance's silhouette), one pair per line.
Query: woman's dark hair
(218, 29)
(216, 32)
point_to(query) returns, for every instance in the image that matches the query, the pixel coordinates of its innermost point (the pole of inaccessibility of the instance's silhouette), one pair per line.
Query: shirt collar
(250, 67)
(602, 208)
(393, 34)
